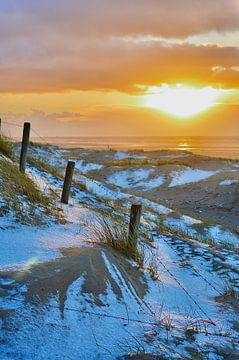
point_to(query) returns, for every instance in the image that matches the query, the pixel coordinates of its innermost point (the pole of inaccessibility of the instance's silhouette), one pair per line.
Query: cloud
(119, 65)
(117, 18)
(51, 46)
(44, 124)
(125, 122)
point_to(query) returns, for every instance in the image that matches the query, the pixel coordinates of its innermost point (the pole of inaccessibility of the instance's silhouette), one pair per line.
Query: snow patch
(227, 182)
(190, 221)
(98, 189)
(85, 167)
(222, 236)
(130, 179)
(161, 209)
(213, 233)
(24, 246)
(121, 156)
(189, 175)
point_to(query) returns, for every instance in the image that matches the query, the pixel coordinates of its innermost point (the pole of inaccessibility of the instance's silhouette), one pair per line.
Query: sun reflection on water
(184, 146)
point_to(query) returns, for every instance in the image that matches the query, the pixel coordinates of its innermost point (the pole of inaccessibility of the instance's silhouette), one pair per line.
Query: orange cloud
(126, 122)
(57, 45)
(120, 65)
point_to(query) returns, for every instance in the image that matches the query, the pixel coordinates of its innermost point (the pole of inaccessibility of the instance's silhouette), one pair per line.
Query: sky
(121, 68)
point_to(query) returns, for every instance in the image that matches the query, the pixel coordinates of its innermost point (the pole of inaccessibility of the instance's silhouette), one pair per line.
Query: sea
(224, 147)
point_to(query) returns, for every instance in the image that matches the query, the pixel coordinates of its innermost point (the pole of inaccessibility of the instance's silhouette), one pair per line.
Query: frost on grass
(189, 175)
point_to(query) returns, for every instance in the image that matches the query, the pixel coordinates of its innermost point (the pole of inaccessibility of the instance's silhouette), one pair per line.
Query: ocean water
(226, 147)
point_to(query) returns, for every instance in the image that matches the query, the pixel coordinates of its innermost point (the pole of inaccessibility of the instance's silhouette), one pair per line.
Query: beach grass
(22, 196)
(6, 146)
(115, 234)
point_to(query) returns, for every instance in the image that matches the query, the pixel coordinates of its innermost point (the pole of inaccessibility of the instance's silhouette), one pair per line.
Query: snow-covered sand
(227, 182)
(137, 178)
(189, 175)
(122, 155)
(85, 167)
(90, 302)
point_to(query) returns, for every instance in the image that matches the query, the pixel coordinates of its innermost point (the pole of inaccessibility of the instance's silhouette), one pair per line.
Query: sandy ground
(49, 279)
(206, 199)
(81, 299)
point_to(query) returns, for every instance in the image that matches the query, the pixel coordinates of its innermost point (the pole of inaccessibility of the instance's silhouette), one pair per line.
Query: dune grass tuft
(116, 235)
(6, 147)
(22, 196)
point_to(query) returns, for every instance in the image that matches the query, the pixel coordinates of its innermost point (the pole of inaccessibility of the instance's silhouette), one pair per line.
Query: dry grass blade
(22, 195)
(6, 147)
(116, 235)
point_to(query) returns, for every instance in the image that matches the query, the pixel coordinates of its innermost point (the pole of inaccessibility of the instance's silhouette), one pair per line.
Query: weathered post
(135, 215)
(67, 182)
(25, 143)
(0, 126)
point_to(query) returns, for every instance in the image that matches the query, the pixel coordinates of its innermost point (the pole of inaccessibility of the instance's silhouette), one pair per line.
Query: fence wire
(160, 261)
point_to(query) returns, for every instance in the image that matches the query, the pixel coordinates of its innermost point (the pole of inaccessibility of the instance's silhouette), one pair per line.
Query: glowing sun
(180, 100)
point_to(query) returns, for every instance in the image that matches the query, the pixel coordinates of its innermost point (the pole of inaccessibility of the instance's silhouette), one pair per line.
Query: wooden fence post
(25, 143)
(135, 215)
(67, 182)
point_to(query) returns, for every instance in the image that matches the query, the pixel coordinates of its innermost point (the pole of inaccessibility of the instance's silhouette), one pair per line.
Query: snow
(24, 246)
(2, 202)
(152, 183)
(80, 332)
(223, 236)
(216, 233)
(121, 156)
(85, 167)
(8, 220)
(161, 209)
(97, 188)
(173, 156)
(138, 178)
(43, 182)
(50, 155)
(121, 324)
(189, 220)
(227, 182)
(189, 175)
(128, 307)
